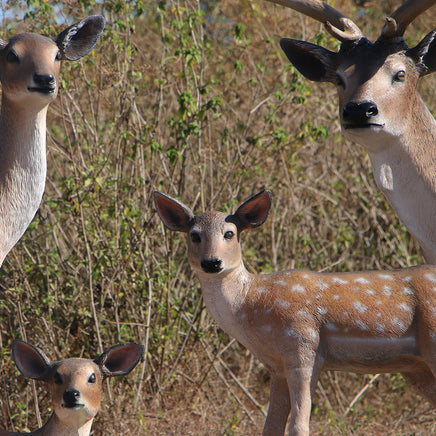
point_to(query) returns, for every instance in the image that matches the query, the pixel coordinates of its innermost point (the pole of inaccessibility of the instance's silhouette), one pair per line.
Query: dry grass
(207, 109)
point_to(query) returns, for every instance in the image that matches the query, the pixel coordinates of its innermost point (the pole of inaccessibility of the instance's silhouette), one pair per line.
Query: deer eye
(12, 57)
(57, 378)
(400, 76)
(229, 235)
(195, 237)
(58, 56)
(92, 378)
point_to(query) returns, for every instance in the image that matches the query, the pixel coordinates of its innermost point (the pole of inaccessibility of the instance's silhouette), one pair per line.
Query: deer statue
(299, 323)
(379, 105)
(75, 384)
(29, 73)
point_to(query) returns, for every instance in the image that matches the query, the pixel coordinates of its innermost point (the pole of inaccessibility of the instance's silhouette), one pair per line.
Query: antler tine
(337, 24)
(397, 23)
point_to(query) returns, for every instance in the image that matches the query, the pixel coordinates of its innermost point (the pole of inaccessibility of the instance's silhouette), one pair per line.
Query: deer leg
(279, 407)
(301, 383)
(423, 381)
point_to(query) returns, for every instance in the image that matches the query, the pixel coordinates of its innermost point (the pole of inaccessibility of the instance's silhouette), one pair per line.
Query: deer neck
(404, 168)
(56, 427)
(224, 295)
(23, 169)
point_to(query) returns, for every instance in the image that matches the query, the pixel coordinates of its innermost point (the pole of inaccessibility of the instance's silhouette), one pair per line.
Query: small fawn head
(75, 384)
(30, 63)
(213, 237)
(376, 82)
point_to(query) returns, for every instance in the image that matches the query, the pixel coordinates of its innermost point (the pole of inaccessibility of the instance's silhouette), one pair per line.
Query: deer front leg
(279, 407)
(301, 382)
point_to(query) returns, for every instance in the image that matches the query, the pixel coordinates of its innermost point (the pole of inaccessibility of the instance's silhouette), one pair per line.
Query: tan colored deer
(299, 323)
(75, 384)
(29, 73)
(380, 107)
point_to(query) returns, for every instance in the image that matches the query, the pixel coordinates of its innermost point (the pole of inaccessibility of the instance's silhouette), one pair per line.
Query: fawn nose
(71, 397)
(44, 80)
(359, 113)
(211, 265)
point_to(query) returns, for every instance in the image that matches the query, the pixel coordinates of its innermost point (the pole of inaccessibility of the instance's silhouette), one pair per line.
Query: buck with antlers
(299, 323)
(29, 73)
(75, 384)
(380, 107)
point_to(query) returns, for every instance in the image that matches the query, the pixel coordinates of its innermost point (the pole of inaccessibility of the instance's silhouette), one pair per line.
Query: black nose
(44, 79)
(211, 265)
(359, 113)
(71, 396)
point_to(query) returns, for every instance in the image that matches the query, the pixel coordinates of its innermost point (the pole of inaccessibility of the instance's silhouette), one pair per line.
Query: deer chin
(373, 126)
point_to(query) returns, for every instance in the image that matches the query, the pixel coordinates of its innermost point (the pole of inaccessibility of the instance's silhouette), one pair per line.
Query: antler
(337, 24)
(397, 23)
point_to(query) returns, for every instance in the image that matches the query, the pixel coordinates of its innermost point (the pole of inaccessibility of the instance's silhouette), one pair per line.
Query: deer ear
(174, 214)
(312, 61)
(119, 359)
(31, 361)
(424, 54)
(79, 39)
(254, 211)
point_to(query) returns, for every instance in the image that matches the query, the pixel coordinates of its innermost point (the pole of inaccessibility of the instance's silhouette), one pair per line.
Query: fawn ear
(80, 38)
(119, 359)
(31, 361)
(254, 211)
(174, 214)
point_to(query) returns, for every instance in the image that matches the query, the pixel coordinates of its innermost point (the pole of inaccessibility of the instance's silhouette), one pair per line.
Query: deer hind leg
(423, 381)
(279, 407)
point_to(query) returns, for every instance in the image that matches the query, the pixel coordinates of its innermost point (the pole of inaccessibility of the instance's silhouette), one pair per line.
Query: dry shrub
(198, 101)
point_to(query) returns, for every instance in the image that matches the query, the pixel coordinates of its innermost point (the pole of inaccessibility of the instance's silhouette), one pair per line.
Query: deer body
(75, 384)
(29, 73)
(299, 323)
(380, 107)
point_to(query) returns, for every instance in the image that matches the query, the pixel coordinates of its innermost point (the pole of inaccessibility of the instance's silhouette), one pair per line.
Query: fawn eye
(92, 378)
(195, 237)
(229, 235)
(12, 57)
(400, 76)
(57, 378)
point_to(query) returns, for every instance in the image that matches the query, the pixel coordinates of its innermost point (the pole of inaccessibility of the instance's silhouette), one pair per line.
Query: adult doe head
(213, 237)
(75, 384)
(30, 63)
(376, 82)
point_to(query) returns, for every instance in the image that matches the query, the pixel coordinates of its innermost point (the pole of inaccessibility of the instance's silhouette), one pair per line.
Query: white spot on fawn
(312, 333)
(280, 282)
(431, 277)
(336, 297)
(387, 290)
(386, 277)
(306, 276)
(407, 291)
(405, 307)
(380, 328)
(322, 310)
(298, 288)
(323, 286)
(407, 279)
(369, 291)
(291, 333)
(361, 325)
(302, 313)
(283, 304)
(399, 324)
(332, 327)
(362, 281)
(339, 281)
(359, 306)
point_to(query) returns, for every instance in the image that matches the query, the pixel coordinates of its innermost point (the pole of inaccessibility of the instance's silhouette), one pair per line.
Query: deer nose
(71, 396)
(211, 265)
(359, 113)
(44, 79)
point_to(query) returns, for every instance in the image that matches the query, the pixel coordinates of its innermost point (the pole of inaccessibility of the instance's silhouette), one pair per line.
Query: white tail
(380, 107)
(29, 73)
(299, 323)
(75, 384)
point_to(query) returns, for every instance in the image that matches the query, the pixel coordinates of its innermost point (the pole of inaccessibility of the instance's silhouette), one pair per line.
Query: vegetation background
(197, 100)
